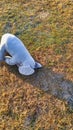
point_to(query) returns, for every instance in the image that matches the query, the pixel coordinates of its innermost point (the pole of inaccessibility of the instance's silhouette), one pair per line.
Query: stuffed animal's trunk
(37, 65)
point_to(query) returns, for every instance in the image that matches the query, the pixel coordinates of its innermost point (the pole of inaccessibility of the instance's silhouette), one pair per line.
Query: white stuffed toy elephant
(19, 55)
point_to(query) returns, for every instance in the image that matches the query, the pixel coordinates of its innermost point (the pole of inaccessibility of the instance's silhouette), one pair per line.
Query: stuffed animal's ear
(26, 70)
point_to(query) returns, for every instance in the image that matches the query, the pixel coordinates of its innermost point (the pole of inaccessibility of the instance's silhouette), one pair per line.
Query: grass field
(38, 102)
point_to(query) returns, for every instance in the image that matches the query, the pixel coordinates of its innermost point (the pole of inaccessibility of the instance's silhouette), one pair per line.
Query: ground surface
(44, 100)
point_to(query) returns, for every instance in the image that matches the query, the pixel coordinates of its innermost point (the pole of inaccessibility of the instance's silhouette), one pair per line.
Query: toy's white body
(19, 54)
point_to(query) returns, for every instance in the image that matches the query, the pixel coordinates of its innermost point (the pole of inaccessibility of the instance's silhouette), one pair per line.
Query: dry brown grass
(37, 102)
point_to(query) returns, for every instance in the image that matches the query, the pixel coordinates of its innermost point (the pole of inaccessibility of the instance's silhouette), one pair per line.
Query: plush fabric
(19, 55)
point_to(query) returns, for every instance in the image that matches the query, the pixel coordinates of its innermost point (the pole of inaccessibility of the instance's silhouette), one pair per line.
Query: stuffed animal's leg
(10, 60)
(2, 52)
